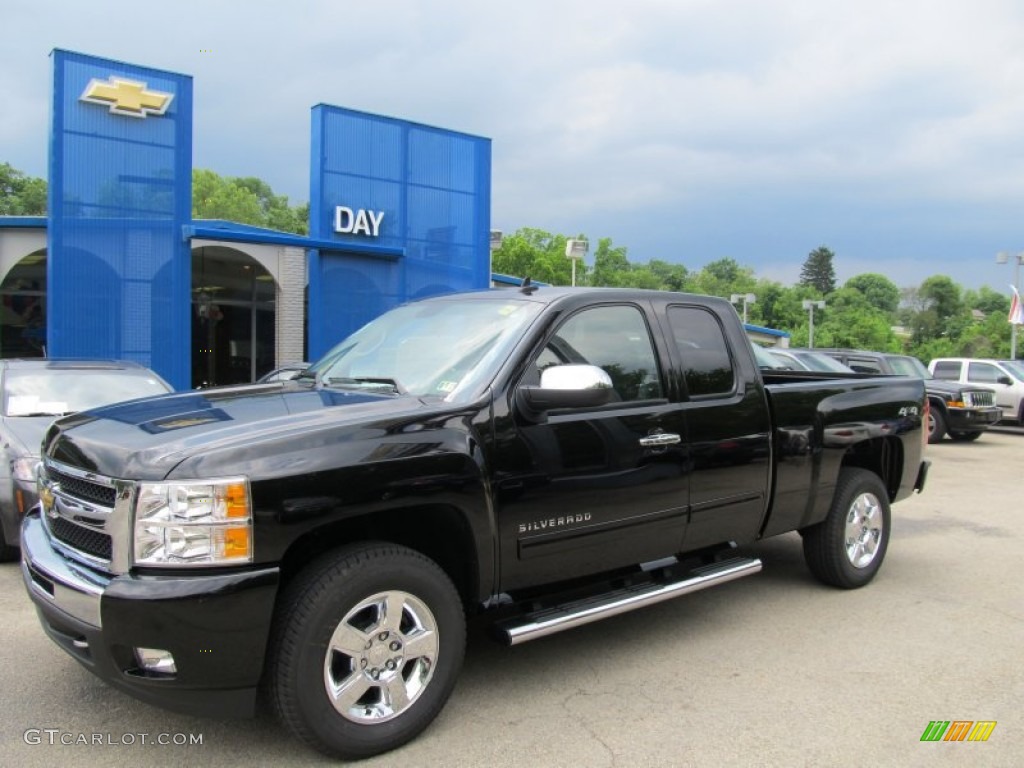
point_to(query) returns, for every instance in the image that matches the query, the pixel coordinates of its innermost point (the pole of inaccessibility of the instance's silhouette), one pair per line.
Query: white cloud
(607, 115)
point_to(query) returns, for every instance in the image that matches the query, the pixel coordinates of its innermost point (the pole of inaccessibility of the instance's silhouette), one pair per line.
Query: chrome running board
(579, 612)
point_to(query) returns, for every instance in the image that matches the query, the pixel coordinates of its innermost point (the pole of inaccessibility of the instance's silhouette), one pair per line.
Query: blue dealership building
(120, 269)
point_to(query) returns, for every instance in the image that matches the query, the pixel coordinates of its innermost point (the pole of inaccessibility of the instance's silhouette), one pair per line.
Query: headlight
(200, 522)
(24, 469)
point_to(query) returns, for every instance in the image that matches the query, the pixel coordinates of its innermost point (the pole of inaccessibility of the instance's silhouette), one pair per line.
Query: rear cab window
(947, 369)
(707, 365)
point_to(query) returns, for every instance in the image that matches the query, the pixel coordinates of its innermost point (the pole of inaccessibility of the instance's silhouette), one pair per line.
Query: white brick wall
(290, 305)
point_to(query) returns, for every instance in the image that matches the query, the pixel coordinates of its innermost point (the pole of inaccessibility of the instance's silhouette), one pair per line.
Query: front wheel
(367, 646)
(846, 549)
(7, 552)
(936, 425)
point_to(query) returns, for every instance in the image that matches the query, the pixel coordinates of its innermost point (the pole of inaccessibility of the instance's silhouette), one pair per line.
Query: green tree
(536, 254)
(723, 277)
(21, 195)
(943, 295)
(611, 265)
(818, 270)
(672, 277)
(879, 290)
(852, 320)
(987, 300)
(246, 200)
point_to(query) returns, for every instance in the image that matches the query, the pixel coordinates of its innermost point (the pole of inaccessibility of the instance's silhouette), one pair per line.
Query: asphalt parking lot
(769, 670)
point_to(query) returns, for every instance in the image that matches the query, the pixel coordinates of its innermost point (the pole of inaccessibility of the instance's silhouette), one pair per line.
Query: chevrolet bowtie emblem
(126, 97)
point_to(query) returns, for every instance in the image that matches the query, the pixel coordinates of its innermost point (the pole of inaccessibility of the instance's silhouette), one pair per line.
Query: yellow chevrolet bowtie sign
(126, 97)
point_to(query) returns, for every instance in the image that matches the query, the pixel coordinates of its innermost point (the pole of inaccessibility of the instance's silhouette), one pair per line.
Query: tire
(936, 425)
(342, 676)
(965, 437)
(7, 553)
(847, 548)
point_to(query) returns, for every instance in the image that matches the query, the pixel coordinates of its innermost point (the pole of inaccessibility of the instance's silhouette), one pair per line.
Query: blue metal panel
(120, 191)
(433, 187)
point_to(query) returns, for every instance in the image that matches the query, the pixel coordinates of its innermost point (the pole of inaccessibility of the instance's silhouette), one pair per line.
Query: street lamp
(809, 305)
(746, 298)
(1001, 258)
(576, 250)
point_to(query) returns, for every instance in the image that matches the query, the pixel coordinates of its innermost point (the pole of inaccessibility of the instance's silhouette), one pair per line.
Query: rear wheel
(965, 437)
(367, 646)
(847, 548)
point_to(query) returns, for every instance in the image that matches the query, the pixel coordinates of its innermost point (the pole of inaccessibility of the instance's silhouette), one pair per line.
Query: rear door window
(700, 340)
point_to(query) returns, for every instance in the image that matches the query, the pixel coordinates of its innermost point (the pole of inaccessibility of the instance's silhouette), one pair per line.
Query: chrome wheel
(847, 548)
(864, 525)
(381, 657)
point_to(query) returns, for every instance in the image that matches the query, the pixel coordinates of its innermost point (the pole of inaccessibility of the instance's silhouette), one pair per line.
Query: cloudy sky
(685, 130)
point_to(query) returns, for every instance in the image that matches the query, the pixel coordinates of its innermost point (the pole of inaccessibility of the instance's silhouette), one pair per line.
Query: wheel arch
(440, 532)
(882, 455)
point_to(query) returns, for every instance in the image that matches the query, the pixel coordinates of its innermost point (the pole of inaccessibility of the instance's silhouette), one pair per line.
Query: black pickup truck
(550, 456)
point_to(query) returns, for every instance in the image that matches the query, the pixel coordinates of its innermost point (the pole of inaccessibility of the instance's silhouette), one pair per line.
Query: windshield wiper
(375, 383)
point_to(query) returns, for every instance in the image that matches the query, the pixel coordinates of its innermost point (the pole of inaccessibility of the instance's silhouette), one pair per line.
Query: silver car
(35, 392)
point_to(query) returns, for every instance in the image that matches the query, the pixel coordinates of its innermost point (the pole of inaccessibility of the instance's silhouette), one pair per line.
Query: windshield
(447, 349)
(1015, 367)
(821, 362)
(909, 366)
(53, 392)
(765, 359)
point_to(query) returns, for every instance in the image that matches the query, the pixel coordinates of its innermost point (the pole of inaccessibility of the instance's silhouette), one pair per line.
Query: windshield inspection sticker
(446, 386)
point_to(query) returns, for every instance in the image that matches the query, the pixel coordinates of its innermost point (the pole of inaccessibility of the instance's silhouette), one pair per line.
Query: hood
(26, 433)
(942, 387)
(256, 429)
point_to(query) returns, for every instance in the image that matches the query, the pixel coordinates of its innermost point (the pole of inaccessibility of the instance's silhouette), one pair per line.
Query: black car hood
(260, 429)
(943, 387)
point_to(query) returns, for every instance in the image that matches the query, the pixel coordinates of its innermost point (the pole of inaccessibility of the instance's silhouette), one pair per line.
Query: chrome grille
(979, 399)
(79, 537)
(84, 489)
(88, 515)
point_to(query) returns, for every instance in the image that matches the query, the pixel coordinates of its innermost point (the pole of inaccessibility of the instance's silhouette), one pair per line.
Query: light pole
(496, 238)
(1001, 258)
(746, 298)
(576, 250)
(809, 305)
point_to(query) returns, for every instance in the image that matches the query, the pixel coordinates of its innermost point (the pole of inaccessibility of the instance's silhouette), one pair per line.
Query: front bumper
(972, 419)
(215, 625)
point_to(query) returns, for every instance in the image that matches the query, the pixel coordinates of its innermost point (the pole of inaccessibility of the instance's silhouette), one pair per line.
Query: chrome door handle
(662, 438)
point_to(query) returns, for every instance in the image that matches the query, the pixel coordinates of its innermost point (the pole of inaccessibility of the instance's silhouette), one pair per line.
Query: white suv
(1006, 377)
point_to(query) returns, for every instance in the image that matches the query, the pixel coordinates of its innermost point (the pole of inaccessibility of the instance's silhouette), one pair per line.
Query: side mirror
(565, 386)
(1004, 379)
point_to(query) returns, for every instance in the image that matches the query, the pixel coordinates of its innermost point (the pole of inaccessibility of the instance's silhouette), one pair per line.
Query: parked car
(35, 392)
(809, 360)
(1004, 377)
(961, 410)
